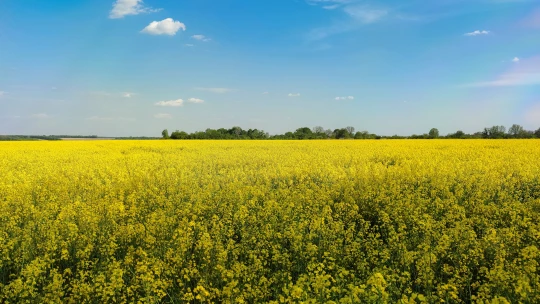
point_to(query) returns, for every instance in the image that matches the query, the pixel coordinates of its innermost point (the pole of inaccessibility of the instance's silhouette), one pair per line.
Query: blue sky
(128, 67)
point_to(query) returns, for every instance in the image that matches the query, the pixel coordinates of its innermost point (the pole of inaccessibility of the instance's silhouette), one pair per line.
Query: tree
(516, 131)
(342, 134)
(362, 135)
(165, 134)
(318, 130)
(350, 130)
(458, 134)
(236, 131)
(537, 133)
(329, 133)
(433, 133)
(303, 133)
(494, 132)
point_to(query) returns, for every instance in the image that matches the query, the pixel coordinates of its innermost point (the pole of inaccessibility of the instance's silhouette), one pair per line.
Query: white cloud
(215, 90)
(127, 94)
(53, 88)
(195, 100)
(345, 98)
(163, 116)
(294, 94)
(39, 115)
(164, 27)
(523, 74)
(515, 59)
(171, 103)
(200, 38)
(266, 93)
(365, 14)
(189, 44)
(2, 93)
(477, 32)
(123, 8)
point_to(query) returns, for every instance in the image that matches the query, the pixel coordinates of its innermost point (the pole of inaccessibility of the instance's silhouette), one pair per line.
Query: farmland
(424, 221)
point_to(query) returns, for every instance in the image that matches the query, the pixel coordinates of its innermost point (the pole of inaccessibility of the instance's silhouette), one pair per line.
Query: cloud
(294, 94)
(164, 27)
(195, 100)
(189, 44)
(2, 93)
(365, 14)
(477, 32)
(215, 90)
(163, 116)
(358, 16)
(171, 103)
(515, 59)
(525, 74)
(123, 8)
(345, 98)
(39, 115)
(266, 93)
(127, 95)
(201, 38)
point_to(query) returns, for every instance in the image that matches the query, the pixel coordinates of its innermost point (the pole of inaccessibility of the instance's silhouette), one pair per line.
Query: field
(270, 221)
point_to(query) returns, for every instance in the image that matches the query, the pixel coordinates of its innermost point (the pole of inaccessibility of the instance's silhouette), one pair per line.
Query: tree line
(495, 132)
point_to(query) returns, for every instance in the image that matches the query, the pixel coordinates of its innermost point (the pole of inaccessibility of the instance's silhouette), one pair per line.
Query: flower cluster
(270, 221)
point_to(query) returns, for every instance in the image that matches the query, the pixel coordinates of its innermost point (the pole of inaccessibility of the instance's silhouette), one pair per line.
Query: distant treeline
(495, 132)
(42, 137)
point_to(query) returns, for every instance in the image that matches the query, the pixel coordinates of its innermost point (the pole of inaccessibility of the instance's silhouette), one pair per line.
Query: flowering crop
(270, 221)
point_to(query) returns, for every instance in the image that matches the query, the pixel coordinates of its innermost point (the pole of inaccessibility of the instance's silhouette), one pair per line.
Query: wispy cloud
(266, 93)
(163, 116)
(525, 74)
(201, 38)
(127, 94)
(215, 90)
(516, 59)
(164, 27)
(365, 14)
(345, 98)
(195, 100)
(2, 93)
(123, 8)
(189, 45)
(39, 115)
(294, 94)
(477, 32)
(356, 15)
(170, 103)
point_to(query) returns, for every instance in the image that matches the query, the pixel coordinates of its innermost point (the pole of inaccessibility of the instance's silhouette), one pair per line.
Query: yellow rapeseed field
(435, 221)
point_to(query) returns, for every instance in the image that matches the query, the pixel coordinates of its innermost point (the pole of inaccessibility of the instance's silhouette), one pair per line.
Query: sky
(134, 68)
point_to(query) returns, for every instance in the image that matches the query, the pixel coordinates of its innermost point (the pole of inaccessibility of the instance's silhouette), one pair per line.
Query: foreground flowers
(282, 222)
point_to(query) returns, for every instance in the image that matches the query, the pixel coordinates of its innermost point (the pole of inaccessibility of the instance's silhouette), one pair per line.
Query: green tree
(494, 132)
(165, 134)
(537, 133)
(516, 131)
(433, 133)
(303, 133)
